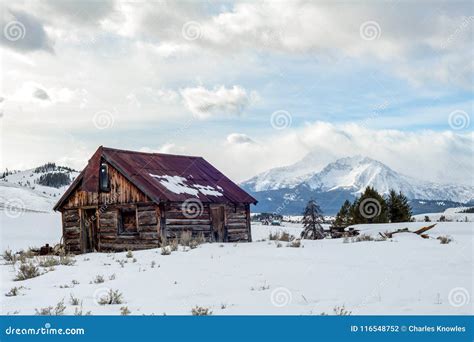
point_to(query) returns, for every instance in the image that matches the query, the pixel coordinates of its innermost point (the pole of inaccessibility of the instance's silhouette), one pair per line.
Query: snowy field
(406, 275)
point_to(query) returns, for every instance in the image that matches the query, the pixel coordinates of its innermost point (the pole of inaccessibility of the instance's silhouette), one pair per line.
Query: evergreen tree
(398, 207)
(370, 207)
(312, 219)
(343, 217)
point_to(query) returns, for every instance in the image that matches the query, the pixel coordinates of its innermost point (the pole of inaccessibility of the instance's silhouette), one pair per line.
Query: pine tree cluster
(371, 207)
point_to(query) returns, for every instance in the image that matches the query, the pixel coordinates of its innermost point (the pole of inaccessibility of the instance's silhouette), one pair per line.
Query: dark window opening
(128, 221)
(104, 178)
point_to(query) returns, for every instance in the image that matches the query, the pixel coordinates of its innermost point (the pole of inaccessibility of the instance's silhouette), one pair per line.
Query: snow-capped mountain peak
(354, 174)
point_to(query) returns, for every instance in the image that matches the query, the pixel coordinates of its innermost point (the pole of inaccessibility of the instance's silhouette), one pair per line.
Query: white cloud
(36, 93)
(443, 157)
(221, 101)
(169, 148)
(239, 138)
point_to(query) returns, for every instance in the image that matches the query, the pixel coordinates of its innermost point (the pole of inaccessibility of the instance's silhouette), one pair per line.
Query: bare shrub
(193, 244)
(99, 279)
(80, 312)
(273, 236)
(174, 245)
(14, 291)
(25, 256)
(57, 310)
(338, 311)
(66, 260)
(185, 238)
(112, 297)
(165, 250)
(285, 236)
(200, 238)
(9, 256)
(124, 311)
(27, 271)
(201, 311)
(341, 311)
(48, 261)
(363, 237)
(281, 236)
(74, 300)
(444, 239)
(295, 243)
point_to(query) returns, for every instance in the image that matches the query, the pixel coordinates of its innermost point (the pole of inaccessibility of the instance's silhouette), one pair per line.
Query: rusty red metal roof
(163, 177)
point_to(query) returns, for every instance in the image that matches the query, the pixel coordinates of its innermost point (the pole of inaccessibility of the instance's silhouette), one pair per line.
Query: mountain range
(287, 189)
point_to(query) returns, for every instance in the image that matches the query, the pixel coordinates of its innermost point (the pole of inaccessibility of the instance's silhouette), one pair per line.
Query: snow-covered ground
(21, 230)
(405, 275)
(451, 214)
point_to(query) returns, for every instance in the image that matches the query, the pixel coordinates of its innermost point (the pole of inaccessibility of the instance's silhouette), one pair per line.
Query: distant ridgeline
(48, 167)
(49, 174)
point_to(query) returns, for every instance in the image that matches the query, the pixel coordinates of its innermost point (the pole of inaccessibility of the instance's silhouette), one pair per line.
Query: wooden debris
(424, 229)
(420, 232)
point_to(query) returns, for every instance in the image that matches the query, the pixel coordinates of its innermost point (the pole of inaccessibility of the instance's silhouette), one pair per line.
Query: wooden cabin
(133, 200)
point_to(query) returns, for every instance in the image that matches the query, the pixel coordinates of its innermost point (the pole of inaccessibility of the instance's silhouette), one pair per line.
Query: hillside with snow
(346, 178)
(35, 189)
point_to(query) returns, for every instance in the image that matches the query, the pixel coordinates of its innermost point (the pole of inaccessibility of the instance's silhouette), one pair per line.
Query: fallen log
(420, 232)
(424, 229)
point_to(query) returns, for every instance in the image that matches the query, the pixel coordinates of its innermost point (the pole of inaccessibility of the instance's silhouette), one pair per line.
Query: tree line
(372, 207)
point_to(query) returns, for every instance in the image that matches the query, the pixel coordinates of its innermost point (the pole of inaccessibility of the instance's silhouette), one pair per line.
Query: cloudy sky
(247, 85)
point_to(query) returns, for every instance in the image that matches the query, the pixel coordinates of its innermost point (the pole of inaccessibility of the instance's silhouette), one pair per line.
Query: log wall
(148, 228)
(72, 230)
(238, 223)
(178, 221)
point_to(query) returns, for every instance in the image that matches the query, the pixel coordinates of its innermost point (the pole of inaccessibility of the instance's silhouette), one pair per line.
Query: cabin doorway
(218, 223)
(89, 230)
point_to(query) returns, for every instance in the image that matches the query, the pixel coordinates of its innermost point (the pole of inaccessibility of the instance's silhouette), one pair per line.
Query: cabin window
(128, 221)
(104, 178)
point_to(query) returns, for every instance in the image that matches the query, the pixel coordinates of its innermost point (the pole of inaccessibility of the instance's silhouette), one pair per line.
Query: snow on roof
(179, 185)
